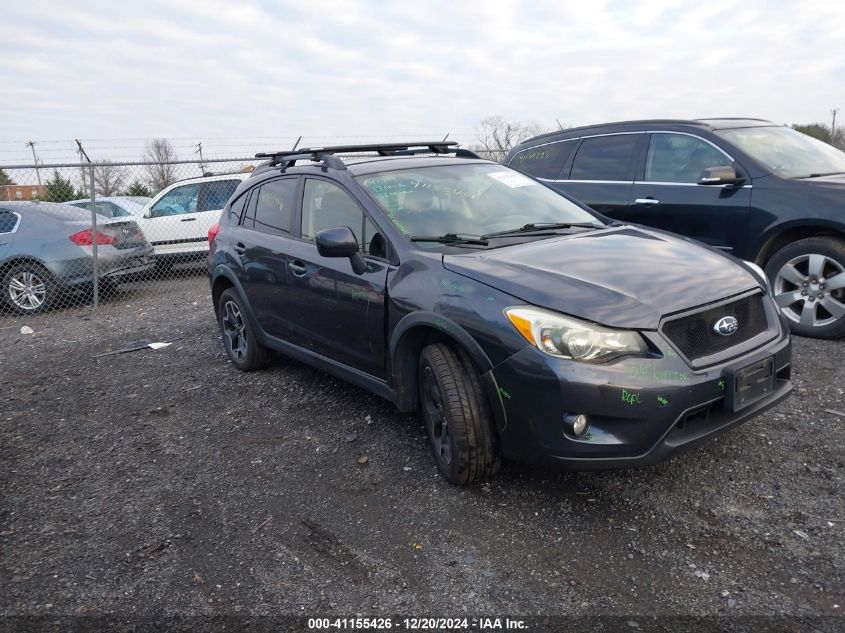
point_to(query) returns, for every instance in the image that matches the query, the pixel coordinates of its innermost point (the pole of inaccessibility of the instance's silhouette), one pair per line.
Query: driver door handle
(297, 267)
(647, 201)
(188, 220)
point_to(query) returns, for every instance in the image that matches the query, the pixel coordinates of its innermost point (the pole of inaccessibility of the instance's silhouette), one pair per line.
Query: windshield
(787, 152)
(473, 199)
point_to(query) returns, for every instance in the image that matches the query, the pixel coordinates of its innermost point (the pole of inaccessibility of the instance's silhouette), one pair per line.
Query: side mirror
(720, 175)
(341, 242)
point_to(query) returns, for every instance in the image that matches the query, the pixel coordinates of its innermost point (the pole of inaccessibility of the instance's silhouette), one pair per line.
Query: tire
(244, 350)
(28, 288)
(808, 280)
(456, 416)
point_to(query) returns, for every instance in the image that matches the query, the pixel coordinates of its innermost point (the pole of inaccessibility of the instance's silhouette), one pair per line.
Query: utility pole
(82, 154)
(833, 122)
(199, 151)
(31, 145)
(94, 236)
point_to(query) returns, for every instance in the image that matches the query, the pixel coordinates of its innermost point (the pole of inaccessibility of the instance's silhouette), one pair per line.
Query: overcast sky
(253, 75)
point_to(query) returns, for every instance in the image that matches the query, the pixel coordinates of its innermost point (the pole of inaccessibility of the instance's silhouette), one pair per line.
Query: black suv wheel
(808, 279)
(457, 419)
(244, 350)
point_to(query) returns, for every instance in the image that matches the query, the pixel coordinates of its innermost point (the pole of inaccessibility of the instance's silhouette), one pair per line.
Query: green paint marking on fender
(722, 384)
(504, 393)
(451, 287)
(662, 401)
(440, 323)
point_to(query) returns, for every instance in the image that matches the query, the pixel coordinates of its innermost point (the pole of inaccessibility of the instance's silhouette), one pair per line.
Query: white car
(176, 221)
(112, 206)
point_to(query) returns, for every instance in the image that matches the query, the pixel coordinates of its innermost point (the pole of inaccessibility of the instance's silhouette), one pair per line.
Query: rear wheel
(244, 350)
(456, 416)
(28, 288)
(808, 279)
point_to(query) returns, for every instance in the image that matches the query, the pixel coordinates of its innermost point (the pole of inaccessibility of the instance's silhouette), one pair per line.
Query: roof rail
(326, 155)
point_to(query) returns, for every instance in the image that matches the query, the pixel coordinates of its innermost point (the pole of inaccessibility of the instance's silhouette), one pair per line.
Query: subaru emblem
(726, 326)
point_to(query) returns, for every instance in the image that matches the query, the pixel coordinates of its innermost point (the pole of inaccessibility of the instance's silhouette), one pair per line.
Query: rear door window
(605, 158)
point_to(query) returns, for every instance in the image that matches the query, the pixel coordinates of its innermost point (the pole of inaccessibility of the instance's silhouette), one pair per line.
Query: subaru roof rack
(326, 155)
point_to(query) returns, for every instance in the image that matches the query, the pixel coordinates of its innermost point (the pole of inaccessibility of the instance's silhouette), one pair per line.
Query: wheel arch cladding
(419, 329)
(220, 285)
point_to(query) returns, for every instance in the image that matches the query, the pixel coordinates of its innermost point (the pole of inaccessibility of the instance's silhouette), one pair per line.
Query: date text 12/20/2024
(417, 624)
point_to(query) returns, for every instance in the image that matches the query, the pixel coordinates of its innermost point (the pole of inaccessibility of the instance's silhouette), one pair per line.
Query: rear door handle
(188, 220)
(240, 248)
(649, 201)
(297, 267)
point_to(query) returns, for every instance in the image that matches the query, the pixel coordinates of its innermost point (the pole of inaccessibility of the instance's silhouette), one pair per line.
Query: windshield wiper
(452, 238)
(542, 226)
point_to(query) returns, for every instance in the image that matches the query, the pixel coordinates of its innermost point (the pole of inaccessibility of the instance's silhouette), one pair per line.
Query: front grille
(694, 336)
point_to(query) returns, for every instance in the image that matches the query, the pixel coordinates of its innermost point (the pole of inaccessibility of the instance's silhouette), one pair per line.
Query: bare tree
(160, 152)
(823, 132)
(497, 136)
(109, 180)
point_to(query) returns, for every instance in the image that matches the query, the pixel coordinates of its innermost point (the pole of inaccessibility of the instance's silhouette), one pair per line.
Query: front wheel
(456, 416)
(244, 350)
(808, 279)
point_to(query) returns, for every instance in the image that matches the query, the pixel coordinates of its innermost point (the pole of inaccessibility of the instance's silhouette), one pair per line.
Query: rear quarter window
(544, 161)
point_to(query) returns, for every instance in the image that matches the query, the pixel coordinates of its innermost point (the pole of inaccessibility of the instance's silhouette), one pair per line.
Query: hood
(622, 277)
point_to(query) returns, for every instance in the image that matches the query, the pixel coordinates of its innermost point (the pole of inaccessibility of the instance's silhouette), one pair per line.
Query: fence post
(96, 298)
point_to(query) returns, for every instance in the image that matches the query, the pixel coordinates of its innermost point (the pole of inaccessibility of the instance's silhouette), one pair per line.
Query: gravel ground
(165, 480)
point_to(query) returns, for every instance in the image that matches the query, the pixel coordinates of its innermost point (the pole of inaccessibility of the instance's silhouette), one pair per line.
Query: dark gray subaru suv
(514, 319)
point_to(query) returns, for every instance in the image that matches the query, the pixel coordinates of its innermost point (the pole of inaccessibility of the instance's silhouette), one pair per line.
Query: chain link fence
(76, 234)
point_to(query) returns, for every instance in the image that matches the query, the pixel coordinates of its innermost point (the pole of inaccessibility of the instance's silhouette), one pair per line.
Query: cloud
(330, 70)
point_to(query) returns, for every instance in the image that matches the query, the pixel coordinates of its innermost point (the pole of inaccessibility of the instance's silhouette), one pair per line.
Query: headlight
(565, 337)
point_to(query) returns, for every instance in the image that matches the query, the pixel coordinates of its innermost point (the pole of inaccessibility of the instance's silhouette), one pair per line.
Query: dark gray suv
(516, 321)
(757, 190)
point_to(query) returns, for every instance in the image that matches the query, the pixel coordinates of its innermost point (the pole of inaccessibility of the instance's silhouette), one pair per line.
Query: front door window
(179, 201)
(681, 158)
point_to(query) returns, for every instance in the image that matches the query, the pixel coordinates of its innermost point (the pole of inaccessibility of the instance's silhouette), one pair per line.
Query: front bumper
(642, 410)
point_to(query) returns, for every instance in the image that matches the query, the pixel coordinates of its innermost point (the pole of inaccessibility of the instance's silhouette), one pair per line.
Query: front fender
(408, 335)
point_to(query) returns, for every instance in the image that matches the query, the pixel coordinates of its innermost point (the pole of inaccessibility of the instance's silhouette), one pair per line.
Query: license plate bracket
(751, 383)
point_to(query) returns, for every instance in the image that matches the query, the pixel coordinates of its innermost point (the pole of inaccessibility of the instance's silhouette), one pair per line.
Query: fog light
(576, 425)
